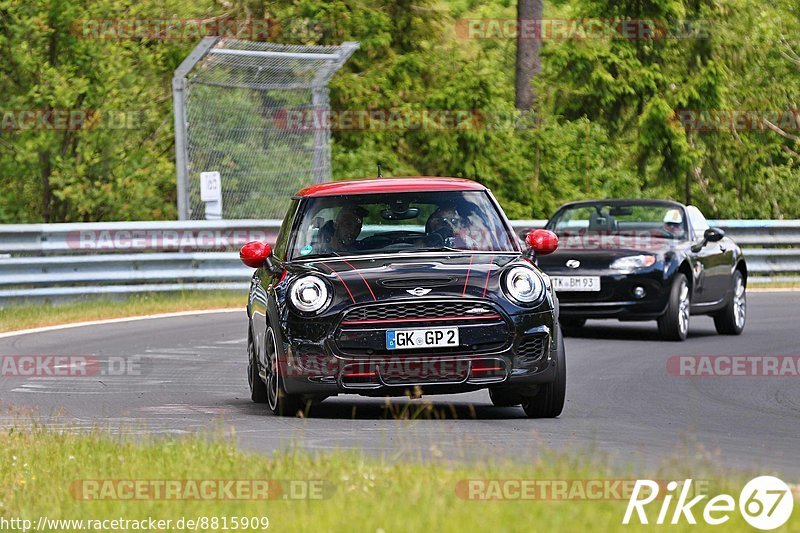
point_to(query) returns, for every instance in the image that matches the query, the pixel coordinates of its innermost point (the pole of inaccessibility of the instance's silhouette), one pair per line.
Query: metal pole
(179, 110)
(179, 105)
(320, 136)
(259, 53)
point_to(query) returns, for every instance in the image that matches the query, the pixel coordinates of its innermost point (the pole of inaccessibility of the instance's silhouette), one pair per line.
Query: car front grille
(419, 310)
(362, 330)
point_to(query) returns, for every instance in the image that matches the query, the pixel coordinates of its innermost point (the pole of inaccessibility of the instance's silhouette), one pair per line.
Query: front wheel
(731, 320)
(280, 402)
(549, 400)
(673, 325)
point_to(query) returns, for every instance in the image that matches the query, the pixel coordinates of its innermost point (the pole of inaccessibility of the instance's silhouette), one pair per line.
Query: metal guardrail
(61, 260)
(122, 237)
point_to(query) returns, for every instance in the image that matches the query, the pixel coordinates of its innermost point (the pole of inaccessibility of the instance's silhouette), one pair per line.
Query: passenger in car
(346, 229)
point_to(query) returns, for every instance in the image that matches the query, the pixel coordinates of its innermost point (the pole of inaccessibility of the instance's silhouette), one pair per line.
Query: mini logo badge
(419, 291)
(573, 263)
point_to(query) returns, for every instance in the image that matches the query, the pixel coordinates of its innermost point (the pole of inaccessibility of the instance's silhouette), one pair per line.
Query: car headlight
(524, 285)
(633, 262)
(309, 294)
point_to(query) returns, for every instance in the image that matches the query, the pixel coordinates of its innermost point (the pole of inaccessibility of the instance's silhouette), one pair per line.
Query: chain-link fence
(231, 102)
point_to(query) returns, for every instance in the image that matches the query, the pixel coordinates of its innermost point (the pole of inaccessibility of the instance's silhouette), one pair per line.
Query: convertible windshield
(400, 222)
(656, 220)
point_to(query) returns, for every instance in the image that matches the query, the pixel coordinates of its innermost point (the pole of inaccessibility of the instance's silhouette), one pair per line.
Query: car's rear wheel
(280, 402)
(674, 323)
(258, 390)
(549, 400)
(731, 320)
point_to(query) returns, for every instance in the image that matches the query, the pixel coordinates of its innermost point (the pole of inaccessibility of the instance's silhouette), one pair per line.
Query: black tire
(258, 389)
(504, 398)
(572, 323)
(280, 402)
(549, 400)
(673, 325)
(732, 319)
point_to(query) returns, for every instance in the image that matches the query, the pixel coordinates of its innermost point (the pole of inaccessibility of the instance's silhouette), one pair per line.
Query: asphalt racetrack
(187, 374)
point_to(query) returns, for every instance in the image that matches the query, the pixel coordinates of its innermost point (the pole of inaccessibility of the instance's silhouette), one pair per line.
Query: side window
(286, 229)
(699, 223)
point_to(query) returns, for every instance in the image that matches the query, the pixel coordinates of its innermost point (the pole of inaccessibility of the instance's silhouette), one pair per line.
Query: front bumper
(616, 298)
(495, 348)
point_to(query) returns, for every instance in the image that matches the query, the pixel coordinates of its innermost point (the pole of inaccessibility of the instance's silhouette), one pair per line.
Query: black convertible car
(402, 286)
(645, 260)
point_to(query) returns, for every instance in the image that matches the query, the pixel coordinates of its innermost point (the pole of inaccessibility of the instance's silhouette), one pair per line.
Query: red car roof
(389, 185)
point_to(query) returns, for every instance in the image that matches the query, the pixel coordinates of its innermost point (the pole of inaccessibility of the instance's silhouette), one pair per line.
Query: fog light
(639, 292)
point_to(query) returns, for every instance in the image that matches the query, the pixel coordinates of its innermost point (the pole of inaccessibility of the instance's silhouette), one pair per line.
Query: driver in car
(448, 223)
(445, 221)
(673, 224)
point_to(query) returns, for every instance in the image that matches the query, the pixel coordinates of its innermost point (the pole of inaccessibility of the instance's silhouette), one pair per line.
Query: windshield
(654, 220)
(400, 222)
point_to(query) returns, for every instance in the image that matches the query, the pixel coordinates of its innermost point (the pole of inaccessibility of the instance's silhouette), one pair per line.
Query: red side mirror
(255, 253)
(542, 241)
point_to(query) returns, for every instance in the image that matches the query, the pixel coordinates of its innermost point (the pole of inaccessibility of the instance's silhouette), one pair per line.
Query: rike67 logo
(765, 503)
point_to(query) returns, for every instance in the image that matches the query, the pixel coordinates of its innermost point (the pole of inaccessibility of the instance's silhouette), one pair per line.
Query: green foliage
(605, 123)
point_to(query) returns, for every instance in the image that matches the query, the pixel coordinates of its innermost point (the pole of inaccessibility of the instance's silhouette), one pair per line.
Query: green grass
(38, 467)
(24, 316)
(774, 285)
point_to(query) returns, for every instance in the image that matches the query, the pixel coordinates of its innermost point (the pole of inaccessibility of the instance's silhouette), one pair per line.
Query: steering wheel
(434, 240)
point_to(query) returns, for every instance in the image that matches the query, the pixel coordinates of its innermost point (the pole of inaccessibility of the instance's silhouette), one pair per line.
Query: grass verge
(43, 473)
(25, 316)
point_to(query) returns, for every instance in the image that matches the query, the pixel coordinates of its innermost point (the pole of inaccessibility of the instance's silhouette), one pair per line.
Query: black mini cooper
(402, 286)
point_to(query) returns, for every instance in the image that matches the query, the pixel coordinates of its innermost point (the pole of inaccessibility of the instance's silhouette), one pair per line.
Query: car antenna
(380, 175)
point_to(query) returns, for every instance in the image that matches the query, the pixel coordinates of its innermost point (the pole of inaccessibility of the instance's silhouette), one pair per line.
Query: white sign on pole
(210, 187)
(211, 194)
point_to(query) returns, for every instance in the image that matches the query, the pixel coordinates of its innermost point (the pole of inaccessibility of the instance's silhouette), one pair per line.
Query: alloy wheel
(272, 376)
(683, 308)
(739, 303)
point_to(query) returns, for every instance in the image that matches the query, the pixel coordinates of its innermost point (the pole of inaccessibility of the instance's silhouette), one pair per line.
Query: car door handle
(722, 249)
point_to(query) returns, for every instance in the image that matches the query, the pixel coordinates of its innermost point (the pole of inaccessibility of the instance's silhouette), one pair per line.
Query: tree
(529, 64)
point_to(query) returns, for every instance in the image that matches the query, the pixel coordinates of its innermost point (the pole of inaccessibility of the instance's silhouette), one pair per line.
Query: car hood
(365, 280)
(598, 252)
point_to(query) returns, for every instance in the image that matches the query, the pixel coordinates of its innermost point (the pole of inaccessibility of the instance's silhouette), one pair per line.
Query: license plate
(408, 339)
(576, 283)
